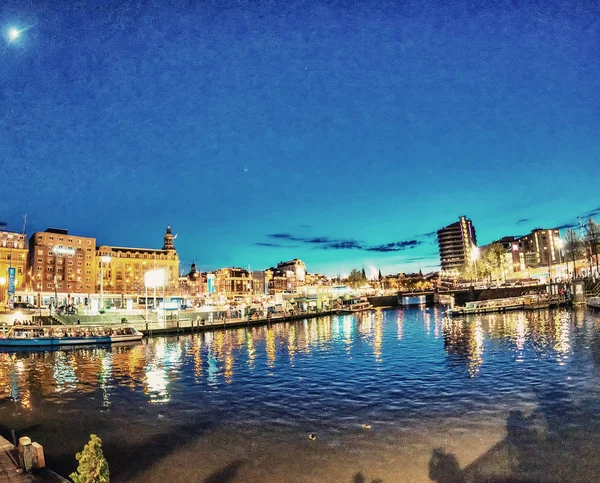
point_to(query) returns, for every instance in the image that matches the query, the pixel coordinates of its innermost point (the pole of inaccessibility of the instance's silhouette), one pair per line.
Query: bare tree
(592, 240)
(573, 248)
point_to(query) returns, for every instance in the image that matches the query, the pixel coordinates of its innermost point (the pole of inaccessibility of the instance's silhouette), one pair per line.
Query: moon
(13, 34)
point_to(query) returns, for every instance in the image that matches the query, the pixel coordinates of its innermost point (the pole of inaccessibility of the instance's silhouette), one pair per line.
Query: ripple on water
(419, 380)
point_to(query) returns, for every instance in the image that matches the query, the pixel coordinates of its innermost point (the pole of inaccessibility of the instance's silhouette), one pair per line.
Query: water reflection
(407, 370)
(218, 356)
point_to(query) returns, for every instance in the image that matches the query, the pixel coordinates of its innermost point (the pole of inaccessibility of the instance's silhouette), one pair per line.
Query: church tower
(169, 240)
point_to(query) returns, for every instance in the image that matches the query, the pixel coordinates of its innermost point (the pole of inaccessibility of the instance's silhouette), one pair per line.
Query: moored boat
(66, 335)
(352, 306)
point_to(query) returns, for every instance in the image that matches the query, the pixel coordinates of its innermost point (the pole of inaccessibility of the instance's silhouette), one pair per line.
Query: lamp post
(558, 242)
(103, 260)
(474, 258)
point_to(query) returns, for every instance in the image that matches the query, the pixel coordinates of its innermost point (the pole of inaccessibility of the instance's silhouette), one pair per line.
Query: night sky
(343, 133)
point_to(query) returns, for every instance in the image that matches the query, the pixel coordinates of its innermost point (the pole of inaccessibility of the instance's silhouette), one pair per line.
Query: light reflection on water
(419, 378)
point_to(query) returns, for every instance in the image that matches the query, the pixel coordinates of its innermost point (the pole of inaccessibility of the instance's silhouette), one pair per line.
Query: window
(51, 237)
(39, 260)
(40, 253)
(39, 269)
(39, 237)
(49, 285)
(70, 240)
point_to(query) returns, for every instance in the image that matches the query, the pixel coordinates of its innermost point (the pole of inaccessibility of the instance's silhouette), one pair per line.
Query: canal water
(390, 395)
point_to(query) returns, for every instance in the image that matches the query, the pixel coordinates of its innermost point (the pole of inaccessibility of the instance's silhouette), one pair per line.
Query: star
(245, 170)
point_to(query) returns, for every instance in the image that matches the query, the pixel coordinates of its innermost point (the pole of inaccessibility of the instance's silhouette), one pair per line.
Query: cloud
(567, 225)
(326, 243)
(394, 246)
(345, 245)
(594, 212)
(318, 240)
(522, 220)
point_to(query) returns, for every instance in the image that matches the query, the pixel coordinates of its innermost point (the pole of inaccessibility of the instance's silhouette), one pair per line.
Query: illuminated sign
(155, 278)
(64, 251)
(11, 281)
(210, 282)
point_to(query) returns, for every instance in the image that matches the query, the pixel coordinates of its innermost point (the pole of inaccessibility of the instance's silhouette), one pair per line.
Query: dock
(9, 465)
(190, 321)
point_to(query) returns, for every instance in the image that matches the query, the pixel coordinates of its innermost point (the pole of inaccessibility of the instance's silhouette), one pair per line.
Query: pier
(189, 322)
(9, 465)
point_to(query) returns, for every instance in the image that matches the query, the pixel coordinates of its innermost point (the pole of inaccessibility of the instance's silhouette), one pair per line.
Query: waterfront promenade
(189, 322)
(8, 468)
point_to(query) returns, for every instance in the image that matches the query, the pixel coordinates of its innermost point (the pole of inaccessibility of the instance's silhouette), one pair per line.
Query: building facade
(62, 263)
(540, 248)
(232, 282)
(13, 254)
(293, 268)
(122, 269)
(456, 243)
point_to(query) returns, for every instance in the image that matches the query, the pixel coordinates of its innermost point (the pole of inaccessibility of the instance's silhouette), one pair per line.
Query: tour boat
(66, 335)
(354, 305)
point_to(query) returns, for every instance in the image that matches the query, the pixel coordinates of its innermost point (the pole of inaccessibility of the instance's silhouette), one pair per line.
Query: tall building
(456, 243)
(13, 255)
(540, 248)
(122, 269)
(62, 263)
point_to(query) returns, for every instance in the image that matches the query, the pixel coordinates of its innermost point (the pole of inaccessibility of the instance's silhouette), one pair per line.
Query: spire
(168, 240)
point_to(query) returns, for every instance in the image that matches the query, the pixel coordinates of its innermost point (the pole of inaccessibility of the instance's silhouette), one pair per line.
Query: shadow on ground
(226, 474)
(547, 446)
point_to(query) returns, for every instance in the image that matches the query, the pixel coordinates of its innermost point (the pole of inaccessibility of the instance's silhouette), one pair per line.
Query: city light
(63, 251)
(155, 278)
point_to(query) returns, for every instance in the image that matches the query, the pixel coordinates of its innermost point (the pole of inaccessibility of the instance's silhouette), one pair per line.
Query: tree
(573, 248)
(93, 467)
(493, 261)
(592, 240)
(355, 279)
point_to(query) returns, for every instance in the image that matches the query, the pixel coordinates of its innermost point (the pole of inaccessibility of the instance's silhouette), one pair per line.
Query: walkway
(8, 468)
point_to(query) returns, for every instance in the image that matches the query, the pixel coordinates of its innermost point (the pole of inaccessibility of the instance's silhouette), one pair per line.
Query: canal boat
(352, 306)
(66, 335)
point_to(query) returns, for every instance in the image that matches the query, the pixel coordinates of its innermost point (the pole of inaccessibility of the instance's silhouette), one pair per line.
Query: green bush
(93, 467)
(123, 320)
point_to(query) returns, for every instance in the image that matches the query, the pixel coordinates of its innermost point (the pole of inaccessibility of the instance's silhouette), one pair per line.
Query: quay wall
(385, 301)
(477, 295)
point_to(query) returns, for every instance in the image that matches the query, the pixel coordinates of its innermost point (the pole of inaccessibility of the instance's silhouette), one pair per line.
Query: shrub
(93, 467)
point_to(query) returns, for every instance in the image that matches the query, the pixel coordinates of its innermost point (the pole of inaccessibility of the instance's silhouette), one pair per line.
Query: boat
(352, 306)
(66, 335)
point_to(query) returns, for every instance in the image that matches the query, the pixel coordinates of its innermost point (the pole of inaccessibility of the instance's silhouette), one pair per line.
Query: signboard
(155, 278)
(11, 281)
(210, 282)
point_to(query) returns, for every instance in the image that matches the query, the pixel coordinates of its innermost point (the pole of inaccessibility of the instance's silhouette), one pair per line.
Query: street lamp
(103, 260)
(474, 258)
(559, 243)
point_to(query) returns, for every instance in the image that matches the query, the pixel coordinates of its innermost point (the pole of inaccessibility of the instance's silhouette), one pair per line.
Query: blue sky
(365, 125)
